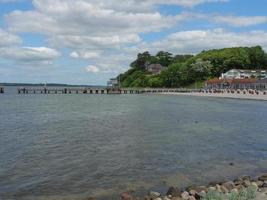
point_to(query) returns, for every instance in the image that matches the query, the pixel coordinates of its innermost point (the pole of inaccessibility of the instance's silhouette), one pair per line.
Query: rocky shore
(242, 188)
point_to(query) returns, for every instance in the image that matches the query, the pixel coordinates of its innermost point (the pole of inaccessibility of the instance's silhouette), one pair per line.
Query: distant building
(113, 82)
(247, 83)
(244, 74)
(155, 68)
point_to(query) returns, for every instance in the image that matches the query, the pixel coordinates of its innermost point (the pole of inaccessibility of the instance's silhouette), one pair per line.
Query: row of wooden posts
(95, 90)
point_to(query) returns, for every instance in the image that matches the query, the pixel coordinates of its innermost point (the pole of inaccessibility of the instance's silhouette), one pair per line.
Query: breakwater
(2, 90)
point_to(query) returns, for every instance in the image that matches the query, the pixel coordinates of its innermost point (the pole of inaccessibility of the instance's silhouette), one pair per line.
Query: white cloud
(29, 54)
(85, 54)
(92, 69)
(197, 40)
(8, 39)
(240, 21)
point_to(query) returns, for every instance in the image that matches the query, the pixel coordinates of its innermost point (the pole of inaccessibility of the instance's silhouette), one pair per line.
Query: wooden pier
(2, 90)
(73, 90)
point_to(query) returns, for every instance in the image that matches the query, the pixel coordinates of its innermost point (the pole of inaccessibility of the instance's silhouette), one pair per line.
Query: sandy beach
(260, 97)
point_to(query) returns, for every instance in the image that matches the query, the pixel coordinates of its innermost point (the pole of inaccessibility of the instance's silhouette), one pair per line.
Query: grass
(246, 194)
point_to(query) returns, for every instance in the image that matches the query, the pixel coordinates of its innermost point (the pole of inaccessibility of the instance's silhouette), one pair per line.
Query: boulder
(224, 189)
(154, 195)
(254, 185)
(185, 195)
(263, 177)
(174, 192)
(192, 198)
(259, 183)
(126, 196)
(246, 183)
(229, 185)
(192, 192)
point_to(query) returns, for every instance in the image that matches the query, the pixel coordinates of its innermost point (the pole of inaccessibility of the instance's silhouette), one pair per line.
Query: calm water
(76, 146)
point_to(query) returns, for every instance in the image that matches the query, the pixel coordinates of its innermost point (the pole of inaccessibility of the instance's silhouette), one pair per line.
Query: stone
(185, 195)
(264, 184)
(212, 188)
(202, 194)
(234, 190)
(254, 185)
(238, 181)
(166, 198)
(224, 189)
(259, 183)
(126, 196)
(218, 188)
(248, 178)
(192, 198)
(229, 185)
(192, 192)
(174, 192)
(176, 198)
(158, 198)
(263, 177)
(239, 187)
(154, 195)
(246, 183)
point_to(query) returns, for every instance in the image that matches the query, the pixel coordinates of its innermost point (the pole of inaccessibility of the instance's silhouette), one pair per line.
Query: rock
(154, 195)
(212, 188)
(185, 195)
(234, 190)
(166, 198)
(246, 178)
(264, 184)
(224, 189)
(259, 183)
(176, 198)
(229, 185)
(263, 177)
(158, 198)
(238, 181)
(192, 198)
(246, 183)
(126, 196)
(192, 192)
(239, 187)
(202, 194)
(174, 192)
(218, 188)
(254, 185)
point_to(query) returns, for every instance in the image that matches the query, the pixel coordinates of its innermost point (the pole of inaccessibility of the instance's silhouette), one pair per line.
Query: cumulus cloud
(240, 21)
(29, 54)
(85, 54)
(92, 69)
(8, 39)
(197, 40)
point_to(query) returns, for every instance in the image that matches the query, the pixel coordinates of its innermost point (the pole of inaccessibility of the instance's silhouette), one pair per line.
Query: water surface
(76, 146)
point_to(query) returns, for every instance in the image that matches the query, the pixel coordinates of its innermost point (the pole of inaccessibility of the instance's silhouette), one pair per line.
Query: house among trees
(244, 74)
(155, 68)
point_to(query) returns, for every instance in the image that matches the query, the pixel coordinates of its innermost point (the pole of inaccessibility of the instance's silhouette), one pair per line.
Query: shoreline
(259, 97)
(241, 188)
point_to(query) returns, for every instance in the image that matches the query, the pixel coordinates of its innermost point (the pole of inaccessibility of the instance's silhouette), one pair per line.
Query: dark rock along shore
(259, 184)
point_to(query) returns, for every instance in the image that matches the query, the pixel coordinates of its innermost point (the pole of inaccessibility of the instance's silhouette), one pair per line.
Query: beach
(247, 96)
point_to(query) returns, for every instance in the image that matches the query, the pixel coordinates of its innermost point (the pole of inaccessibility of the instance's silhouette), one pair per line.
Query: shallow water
(76, 146)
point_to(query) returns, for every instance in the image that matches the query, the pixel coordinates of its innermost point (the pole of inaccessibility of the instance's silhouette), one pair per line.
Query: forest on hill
(186, 70)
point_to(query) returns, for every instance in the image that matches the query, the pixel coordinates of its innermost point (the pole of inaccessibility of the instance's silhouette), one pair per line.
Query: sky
(90, 41)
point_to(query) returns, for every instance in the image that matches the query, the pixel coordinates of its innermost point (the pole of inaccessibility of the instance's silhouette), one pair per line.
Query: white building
(244, 73)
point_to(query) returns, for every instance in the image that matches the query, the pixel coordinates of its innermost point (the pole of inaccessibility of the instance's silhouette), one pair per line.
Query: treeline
(186, 70)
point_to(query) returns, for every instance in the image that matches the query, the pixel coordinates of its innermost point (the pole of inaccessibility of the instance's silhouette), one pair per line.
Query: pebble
(174, 191)
(185, 195)
(154, 195)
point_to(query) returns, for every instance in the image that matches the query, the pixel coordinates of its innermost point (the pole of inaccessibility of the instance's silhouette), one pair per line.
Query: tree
(200, 70)
(142, 59)
(164, 58)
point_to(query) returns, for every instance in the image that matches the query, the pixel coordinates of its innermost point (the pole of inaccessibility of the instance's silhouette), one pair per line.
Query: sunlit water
(76, 146)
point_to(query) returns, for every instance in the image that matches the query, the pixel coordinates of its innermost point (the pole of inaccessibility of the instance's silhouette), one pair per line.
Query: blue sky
(90, 41)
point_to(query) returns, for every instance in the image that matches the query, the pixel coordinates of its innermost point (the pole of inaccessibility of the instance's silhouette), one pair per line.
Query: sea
(76, 146)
